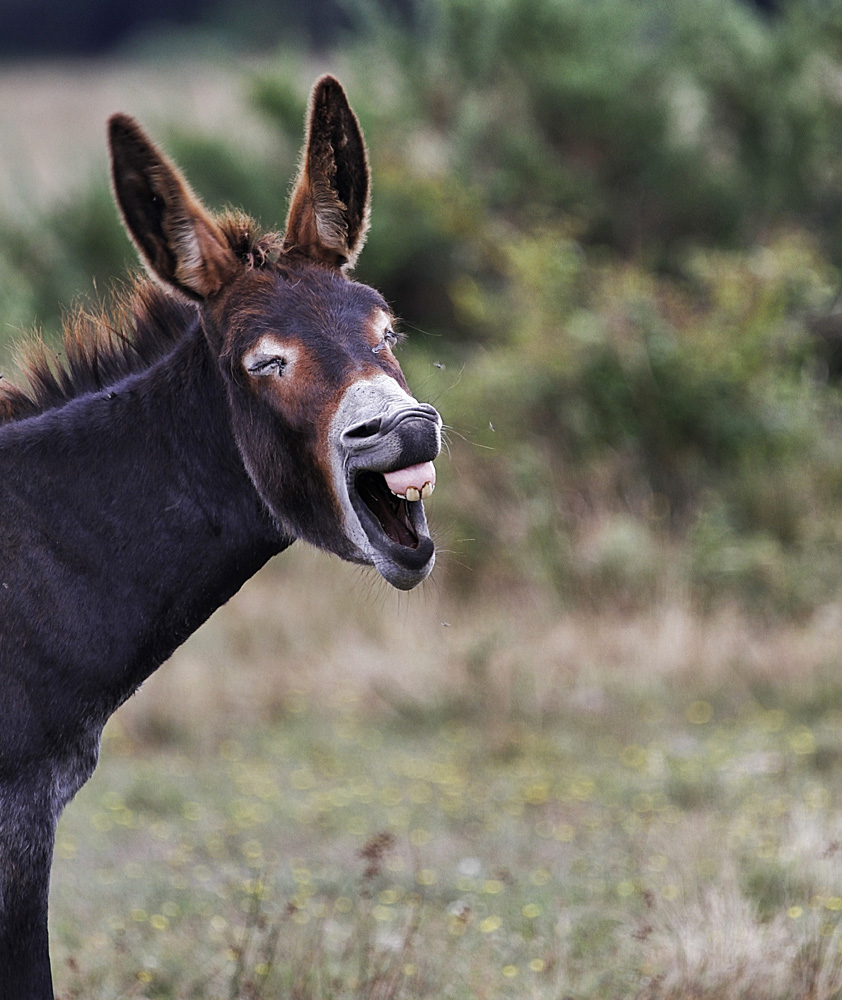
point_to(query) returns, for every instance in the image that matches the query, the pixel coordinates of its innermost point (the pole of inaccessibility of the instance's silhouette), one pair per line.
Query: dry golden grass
(310, 625)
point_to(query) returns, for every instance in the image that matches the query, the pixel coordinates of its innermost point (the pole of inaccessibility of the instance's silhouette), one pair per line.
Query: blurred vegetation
(617, 229)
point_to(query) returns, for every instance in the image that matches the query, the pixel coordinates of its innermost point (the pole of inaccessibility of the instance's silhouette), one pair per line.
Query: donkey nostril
(364, 430)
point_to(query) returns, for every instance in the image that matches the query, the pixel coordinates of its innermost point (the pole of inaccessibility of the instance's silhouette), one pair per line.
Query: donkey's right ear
(179, 240)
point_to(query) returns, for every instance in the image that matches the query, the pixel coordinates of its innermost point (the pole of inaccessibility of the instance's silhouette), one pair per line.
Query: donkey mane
(138, 325)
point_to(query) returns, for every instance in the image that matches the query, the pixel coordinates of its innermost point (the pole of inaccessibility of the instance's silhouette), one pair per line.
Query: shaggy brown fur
(137, 327)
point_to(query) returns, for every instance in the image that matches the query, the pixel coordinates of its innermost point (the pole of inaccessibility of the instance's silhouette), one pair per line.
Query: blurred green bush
(613, 225)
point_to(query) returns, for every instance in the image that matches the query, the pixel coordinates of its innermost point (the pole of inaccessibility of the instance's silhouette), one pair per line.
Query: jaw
(388, 531)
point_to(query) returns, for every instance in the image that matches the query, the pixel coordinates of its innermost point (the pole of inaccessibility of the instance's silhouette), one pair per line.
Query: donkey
(246, 397)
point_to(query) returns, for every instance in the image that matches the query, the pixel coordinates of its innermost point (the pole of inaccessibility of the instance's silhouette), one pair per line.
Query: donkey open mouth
(394, 512)
(386, 456)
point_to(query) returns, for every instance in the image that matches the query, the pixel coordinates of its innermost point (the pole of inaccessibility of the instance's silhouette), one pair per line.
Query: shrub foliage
(615, 228)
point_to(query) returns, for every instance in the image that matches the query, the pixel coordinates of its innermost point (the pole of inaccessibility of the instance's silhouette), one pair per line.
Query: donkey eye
(267, 366)
(389, 338)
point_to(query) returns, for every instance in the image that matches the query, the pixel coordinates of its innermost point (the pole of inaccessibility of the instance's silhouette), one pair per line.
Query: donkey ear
(178, 239)
(328, 213)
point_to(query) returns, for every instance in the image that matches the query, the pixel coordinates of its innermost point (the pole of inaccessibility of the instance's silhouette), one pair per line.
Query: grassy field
(333, 792)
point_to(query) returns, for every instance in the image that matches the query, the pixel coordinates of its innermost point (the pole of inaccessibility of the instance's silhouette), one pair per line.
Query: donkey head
(335, 445)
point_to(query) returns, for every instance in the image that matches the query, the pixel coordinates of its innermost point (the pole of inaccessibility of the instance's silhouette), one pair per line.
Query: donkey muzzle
(385, 442)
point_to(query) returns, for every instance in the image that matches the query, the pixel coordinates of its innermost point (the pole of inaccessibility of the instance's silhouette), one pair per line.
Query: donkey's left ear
(178, 239)
(328, 213)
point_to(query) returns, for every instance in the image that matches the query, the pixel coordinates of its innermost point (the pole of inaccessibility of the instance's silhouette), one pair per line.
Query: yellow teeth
(414, 494)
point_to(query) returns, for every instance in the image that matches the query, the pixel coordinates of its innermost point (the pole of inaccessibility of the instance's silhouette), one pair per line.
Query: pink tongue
(416, 475)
